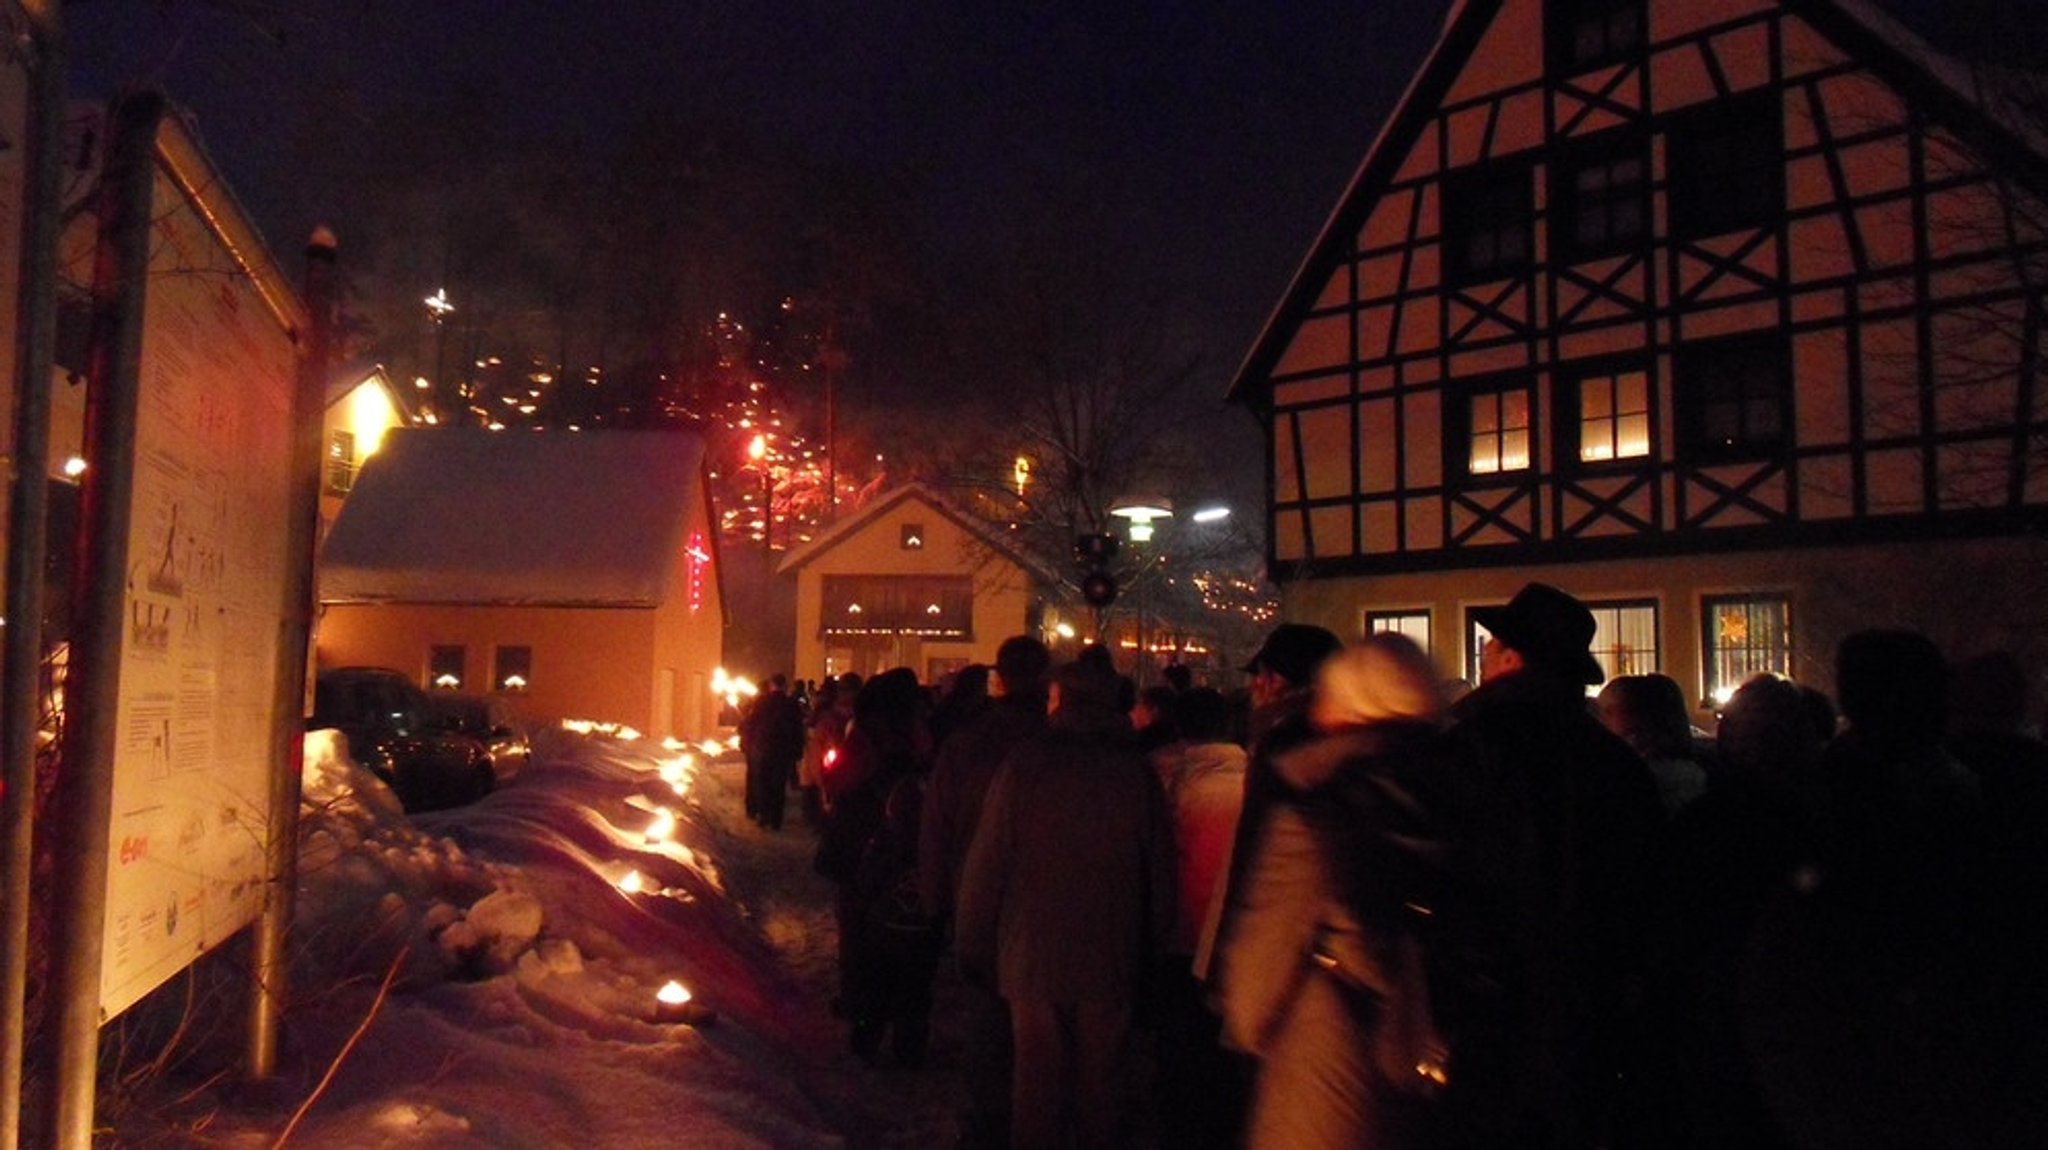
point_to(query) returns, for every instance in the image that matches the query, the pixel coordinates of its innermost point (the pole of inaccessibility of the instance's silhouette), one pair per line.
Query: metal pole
(832, 358)
(269, 961)
(27, 545)
(86, 793)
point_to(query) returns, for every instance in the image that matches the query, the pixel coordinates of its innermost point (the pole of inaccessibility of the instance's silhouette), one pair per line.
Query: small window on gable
(1414, 624)
(447, 668)
(1734, 399)
(1725, 167)
(1488, 223)
(1600, 198)
(341, 462)
(1741, 636)
(912, 538)
(512, 669)
(1582, 34)
(1613, 421)
(1499, 430)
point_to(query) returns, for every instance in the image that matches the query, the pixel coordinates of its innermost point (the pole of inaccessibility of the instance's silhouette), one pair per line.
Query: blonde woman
(1317, 970)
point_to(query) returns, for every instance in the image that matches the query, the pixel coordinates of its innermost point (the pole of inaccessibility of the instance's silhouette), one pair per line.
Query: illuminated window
(913, 537)
(1413, 624)
(1725, 166)
(447, 668)
(1744, 635)
(1733, 399)
(1475, 645)
(1498, 431)
(1488, 221)
(341, 462)
(931, 606)
(1614, 416)
(1584, 34)
(1625, 637)
(1600, 202)
(512, 669)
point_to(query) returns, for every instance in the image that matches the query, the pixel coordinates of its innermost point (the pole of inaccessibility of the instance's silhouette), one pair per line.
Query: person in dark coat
(772, 739)
(1066, 896)
(1319, 975)
(1753, 834)
(966, 765)
(1561, 820)
(887, 749)
(1888, 1006)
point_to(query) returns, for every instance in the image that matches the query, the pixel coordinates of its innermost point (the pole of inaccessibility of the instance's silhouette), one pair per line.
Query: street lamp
(1140, 512)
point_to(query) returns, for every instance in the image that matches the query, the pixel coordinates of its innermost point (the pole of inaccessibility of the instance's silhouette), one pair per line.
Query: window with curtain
(1499, 424)
(1614, 416)
(1413, 624)
(1741, 636)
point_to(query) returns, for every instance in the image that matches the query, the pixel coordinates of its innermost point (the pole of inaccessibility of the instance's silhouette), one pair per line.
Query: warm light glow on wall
(370, 414)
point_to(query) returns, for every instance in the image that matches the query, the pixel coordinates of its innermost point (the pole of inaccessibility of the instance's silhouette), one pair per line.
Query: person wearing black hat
(1282, 686)
(1283, 680)
(1558, 818)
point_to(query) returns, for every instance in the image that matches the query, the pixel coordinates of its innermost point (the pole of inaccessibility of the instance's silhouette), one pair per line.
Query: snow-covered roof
(344, 380)
(545, 518)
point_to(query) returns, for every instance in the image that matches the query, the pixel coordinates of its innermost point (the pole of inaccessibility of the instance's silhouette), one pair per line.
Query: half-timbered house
(1723, 315)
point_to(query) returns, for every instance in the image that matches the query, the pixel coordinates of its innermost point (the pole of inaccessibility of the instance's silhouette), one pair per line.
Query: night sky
(1222, 133)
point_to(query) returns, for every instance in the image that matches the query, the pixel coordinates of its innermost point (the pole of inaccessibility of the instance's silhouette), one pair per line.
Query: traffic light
(1095, 550)
(1098, 587)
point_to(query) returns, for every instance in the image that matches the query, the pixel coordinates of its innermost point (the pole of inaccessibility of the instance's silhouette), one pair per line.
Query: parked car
(385, 717)
(489, 720)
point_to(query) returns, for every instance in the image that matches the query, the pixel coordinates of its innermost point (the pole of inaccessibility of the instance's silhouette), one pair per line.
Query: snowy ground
(522, 1007)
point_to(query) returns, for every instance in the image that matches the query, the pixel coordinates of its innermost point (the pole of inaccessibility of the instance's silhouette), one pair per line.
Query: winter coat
(1563, 819)
(1204, 791)
(1067, 891)
(958, 788)
(861, 780)
(1309, 978)
(773, 732)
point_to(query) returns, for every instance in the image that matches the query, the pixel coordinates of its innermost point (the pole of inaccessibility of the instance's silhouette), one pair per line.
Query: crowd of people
(1360, 905)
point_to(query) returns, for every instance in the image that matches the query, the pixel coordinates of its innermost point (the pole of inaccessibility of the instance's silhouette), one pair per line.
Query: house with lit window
(574, 573)
(909, 580)
(362, 404)
(1722, 315)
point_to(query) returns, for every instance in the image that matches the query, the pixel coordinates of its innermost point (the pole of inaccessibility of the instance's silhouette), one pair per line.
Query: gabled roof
(887, 501)
(1958, 94)
(542, 518)
(349, 376)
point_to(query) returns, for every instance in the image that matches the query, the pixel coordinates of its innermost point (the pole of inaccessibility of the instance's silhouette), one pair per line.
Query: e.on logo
(134, 848)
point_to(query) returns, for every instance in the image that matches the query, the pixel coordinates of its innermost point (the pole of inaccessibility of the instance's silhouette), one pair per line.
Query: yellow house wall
(1002, 591)
(688, 644)
(647, 667)
(1969, 596)
(367, 412)
(588, 663)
